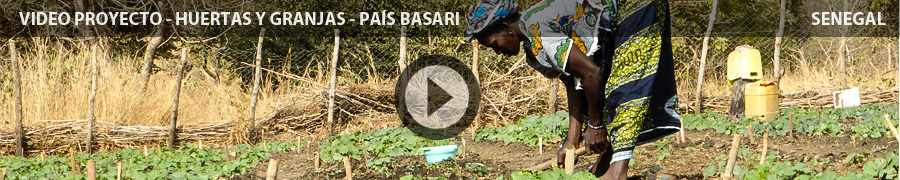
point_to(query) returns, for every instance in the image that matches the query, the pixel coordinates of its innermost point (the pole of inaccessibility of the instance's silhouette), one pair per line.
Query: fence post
(402, 61)
(712, 18)
(842, 64)
(475, 71)
(256, 79)
(333, 82)
(95, 72)
(777, 61)
(172, 130)
(17, 90)
(402, 66)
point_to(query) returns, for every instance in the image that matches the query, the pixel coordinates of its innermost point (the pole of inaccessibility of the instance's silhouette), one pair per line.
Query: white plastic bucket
(846, 98)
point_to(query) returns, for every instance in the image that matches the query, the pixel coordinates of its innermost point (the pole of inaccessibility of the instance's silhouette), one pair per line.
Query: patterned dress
(630, 41)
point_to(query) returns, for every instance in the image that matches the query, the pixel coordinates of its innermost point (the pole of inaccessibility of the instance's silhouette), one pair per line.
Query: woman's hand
(596, 141)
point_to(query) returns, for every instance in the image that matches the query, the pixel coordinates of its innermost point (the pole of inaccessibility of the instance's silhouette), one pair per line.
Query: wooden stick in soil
(119, 170)
(552, 161)
(681, 132)
(92, 100)
(333, 81)
(17, 91)
(3, 174)
(227, 155)
(570, 160)
(365, 153)
(92, 170)
(256, 79)
(272, 171)
(298, 144)
(316, 161)
(146, 153)
(765, 148)
(462, 151)
(732, 156)
(750, 133)
(180, 75)
(540, 145)
(791, 125)
(890, 125)
(72, 161)
(348, 168)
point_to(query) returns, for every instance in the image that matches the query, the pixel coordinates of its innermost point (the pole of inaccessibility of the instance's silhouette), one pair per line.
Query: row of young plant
(747, 167)
(864, 121)
(186, 162)
(390, 142)
(528, 130)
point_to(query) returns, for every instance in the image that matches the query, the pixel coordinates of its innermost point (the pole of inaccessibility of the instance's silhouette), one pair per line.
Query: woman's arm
(577, 110)
(592, 81)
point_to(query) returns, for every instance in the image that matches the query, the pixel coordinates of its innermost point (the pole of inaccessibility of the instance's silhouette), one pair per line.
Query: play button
(437, 96)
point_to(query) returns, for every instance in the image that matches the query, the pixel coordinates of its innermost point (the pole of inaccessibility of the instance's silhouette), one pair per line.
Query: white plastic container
(846, 98)
(744, 63)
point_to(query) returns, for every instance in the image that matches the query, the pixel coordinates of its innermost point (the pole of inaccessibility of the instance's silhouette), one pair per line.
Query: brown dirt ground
(685, 160)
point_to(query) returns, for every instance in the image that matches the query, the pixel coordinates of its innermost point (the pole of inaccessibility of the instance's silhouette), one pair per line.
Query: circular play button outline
(437, 96)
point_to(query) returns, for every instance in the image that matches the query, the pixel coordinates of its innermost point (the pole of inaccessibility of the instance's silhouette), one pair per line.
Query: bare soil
(685, 160)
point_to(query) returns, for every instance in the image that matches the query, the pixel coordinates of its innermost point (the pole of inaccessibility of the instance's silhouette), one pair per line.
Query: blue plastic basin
(439, 153)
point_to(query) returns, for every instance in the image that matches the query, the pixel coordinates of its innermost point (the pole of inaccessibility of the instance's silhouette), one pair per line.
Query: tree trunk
(155, 40)
(737, 99)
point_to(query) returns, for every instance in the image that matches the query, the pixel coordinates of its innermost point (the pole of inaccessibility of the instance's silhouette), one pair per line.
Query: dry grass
(56, 83)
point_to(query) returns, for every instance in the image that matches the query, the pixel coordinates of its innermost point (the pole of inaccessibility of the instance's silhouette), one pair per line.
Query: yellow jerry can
(761, 99)
(744, 62)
